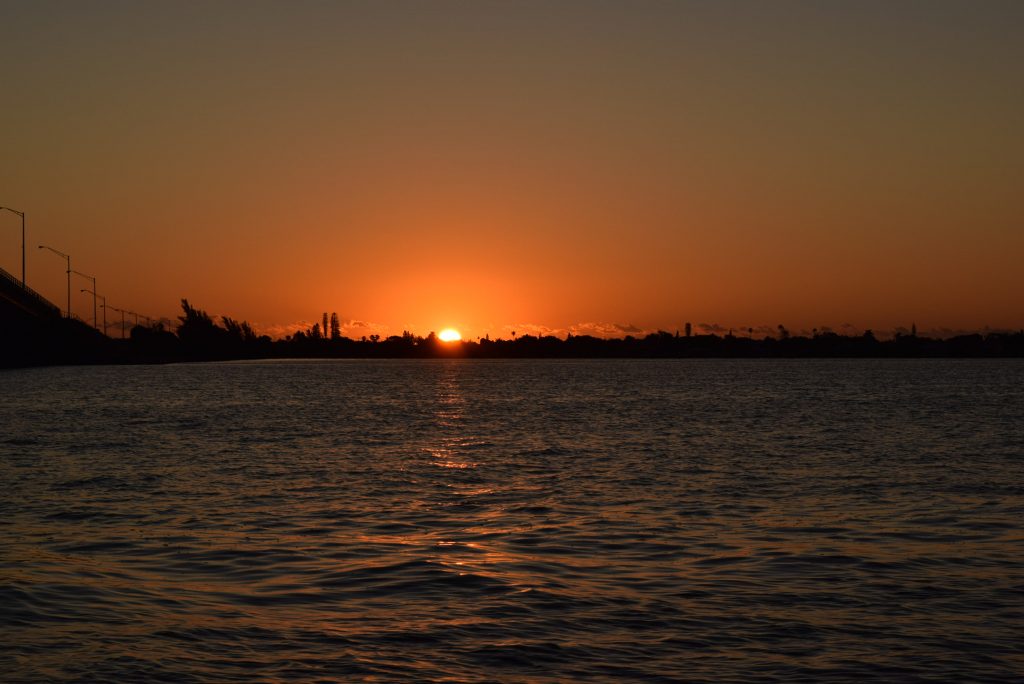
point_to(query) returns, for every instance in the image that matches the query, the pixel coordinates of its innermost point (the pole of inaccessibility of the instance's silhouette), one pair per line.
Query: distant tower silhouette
(689, 330)
(913, 329)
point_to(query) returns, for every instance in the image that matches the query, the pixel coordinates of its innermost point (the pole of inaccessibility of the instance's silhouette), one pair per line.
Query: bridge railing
(37, 298)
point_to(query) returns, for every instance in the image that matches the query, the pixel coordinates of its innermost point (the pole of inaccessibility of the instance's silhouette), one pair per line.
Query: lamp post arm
(68, 257)
(22, 215)
(55, 251)
(95, 318)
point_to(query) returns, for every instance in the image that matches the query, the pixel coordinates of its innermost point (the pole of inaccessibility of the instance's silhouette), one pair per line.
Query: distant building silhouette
(689, 330)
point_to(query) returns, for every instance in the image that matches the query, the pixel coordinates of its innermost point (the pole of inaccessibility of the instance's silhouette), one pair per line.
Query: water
(514, 521)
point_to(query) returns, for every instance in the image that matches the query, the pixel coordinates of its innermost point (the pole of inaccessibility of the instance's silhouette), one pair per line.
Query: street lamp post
(95, 320)
(62, 254)
(103, 306)
(22, 215)
(123, 312)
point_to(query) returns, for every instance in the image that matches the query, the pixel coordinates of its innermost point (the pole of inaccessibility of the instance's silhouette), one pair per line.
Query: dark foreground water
(514, 521)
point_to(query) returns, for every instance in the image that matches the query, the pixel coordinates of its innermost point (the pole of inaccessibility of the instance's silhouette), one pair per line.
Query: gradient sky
(532, 166)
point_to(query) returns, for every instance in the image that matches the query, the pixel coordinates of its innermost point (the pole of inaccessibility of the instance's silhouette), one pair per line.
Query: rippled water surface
(514, 521)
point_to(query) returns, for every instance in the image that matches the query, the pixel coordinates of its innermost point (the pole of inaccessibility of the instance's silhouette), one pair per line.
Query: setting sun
(449, 335)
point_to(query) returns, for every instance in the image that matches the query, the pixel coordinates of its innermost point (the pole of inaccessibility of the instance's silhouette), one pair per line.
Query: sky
(542, 167)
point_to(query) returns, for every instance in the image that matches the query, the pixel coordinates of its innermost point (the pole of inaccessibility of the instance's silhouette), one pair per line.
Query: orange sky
(535, 166)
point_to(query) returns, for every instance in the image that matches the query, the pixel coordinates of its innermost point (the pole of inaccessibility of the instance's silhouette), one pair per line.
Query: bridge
(19, 302)
(33, 331)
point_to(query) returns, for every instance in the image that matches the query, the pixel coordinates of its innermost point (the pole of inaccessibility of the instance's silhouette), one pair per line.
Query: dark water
(514, 521)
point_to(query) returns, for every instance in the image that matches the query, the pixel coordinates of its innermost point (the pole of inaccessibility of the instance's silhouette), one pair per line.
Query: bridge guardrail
(31, 294)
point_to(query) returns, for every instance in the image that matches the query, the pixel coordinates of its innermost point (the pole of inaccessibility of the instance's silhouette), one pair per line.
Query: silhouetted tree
(197, 331)
(239, 332)
(335, 327)
(195, 318)
(201, 338)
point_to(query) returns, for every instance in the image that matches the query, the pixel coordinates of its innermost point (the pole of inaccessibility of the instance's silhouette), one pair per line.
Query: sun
(449, 335)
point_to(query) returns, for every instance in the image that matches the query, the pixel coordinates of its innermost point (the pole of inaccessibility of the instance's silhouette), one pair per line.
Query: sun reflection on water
(449, 418)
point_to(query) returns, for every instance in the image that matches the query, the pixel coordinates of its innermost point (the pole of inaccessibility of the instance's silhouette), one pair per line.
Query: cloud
(598, 329)
(943, 333)
(535, 329)
(592, 328)
(712, 328)
(281, 330)
(349, 328)
(356, 329)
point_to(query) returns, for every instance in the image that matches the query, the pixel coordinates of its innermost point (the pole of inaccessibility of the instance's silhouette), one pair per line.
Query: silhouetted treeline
(198, 337)
(656, 345)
